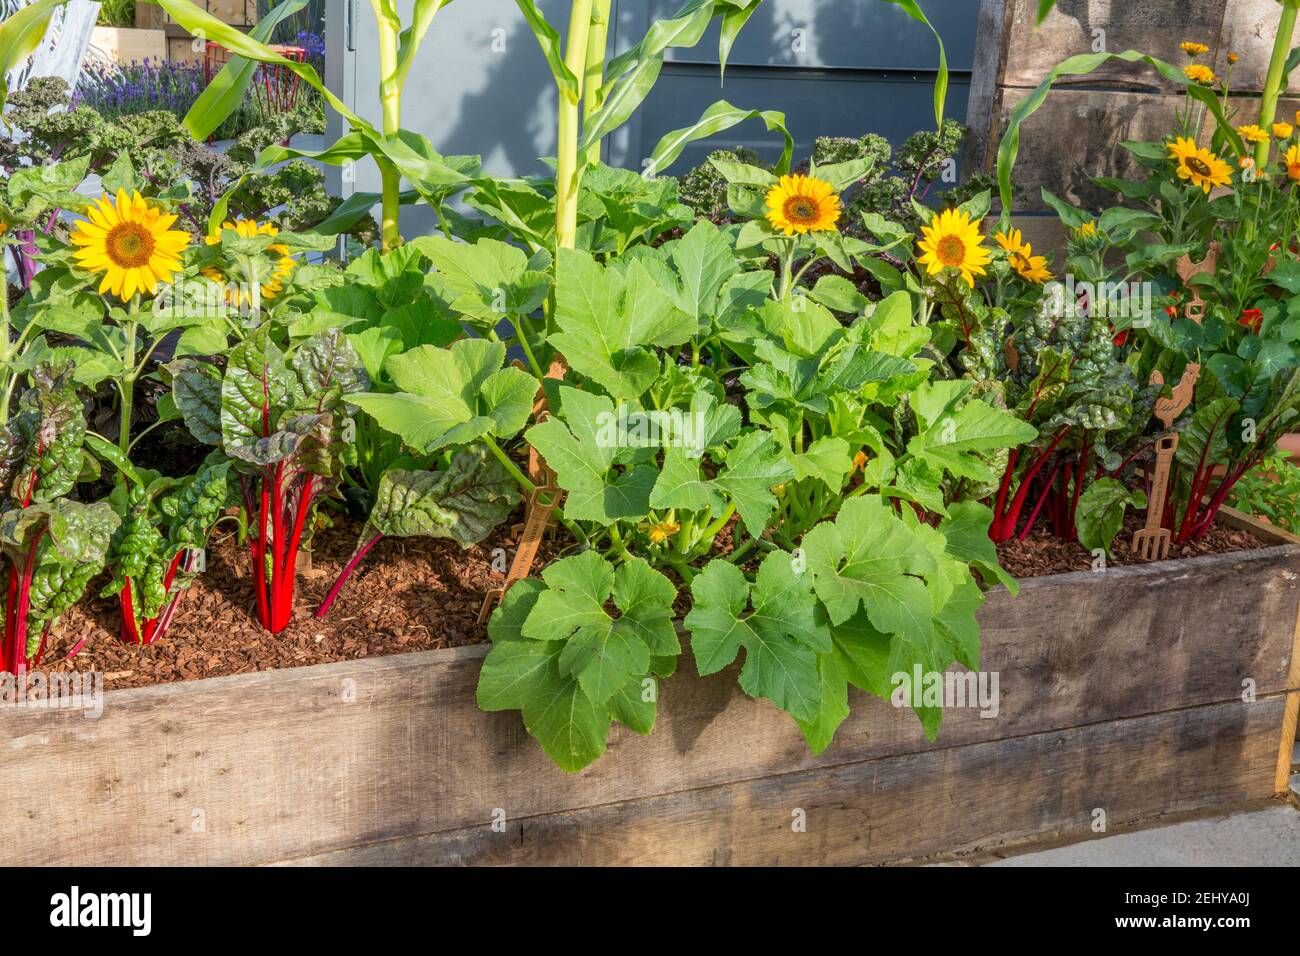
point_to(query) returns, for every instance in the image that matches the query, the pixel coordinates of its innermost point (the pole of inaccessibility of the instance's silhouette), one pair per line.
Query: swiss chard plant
(282, 421)
(53, 545)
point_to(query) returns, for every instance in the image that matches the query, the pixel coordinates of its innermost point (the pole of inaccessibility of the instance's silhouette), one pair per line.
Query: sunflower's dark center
(951, 251)
(1199, 166)
(129, 245)
(800, 209)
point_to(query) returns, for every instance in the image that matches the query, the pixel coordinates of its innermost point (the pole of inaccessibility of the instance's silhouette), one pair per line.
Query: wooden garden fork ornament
(1152, 542)
(1187, 270)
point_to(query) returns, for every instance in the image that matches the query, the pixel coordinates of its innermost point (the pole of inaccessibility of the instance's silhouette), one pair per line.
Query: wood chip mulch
(408, 595)
(1040, 554)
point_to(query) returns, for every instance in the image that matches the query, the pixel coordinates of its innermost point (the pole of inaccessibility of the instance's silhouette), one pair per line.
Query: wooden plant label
(541, 503)
(1187, 269)
(1152, 542)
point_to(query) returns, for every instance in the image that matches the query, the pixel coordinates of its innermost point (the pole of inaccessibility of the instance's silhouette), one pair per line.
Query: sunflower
(1032, 268)
(1233, 58)
(1194, 49)
(1198, 165)
(1087, 231)
(1282, 130)
(1293, 163)
(130, 243)
(248, 229)
(802, 204)
(953, 241)
(1012, 241)
(1252, 133)
(1199, 73)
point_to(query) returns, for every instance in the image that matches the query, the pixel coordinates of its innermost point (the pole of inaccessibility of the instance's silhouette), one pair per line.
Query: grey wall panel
(815, 103)
(480, 85)
(853, 34)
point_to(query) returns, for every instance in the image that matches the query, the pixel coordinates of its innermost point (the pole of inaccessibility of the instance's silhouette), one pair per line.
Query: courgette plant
(661, 446)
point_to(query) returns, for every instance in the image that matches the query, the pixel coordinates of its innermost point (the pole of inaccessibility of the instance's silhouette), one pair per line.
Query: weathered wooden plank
(990, 53)
(1249, 27)
(1076, 135)
(260, 767)
(1089, 26)
(951, 801)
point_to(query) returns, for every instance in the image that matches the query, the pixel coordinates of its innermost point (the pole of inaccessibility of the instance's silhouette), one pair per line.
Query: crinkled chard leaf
(42, 456)
(196, 389)
(465, 502)
(328, 371)
(255, 390)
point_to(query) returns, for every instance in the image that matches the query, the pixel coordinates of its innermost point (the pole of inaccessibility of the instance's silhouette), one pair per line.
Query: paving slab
(1269, 837)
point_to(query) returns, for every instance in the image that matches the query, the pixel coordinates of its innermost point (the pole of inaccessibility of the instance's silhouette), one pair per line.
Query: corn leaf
(20, 35)
(548, 38)
(914, 11)
(718, 117)
(1082, 65)
(222, 96)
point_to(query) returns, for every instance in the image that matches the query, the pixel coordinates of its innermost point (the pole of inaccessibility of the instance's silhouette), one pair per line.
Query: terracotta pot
(1290, 444)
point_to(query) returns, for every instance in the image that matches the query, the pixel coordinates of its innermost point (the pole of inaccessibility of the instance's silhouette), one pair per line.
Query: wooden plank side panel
(265, 766)
(1076, 135)
(1155, 27)
(970, 798)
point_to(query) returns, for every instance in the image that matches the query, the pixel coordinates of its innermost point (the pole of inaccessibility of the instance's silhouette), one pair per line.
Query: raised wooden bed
(1120, 691)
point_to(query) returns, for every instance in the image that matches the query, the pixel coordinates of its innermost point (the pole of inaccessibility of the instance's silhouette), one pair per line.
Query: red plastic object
(274, 84)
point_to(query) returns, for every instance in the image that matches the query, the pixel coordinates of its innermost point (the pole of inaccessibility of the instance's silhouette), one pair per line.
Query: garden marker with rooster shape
(1152, 542)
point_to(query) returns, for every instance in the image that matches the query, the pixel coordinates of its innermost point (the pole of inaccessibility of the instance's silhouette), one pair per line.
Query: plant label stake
(541, 503)
(1152, 542)
(1187, 269)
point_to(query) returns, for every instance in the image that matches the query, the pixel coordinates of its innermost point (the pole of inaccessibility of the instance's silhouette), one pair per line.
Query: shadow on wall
(835, 67)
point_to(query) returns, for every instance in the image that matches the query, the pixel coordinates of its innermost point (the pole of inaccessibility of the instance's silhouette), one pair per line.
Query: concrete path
(1269, 837)
(1260, 838)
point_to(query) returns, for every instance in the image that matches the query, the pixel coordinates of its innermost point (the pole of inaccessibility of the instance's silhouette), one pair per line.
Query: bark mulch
(408, 595)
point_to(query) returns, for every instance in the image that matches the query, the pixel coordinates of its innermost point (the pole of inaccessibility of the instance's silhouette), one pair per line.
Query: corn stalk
(1276, 82)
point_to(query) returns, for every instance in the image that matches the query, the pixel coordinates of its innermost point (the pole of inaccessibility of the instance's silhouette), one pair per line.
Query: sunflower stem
(126, 386)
